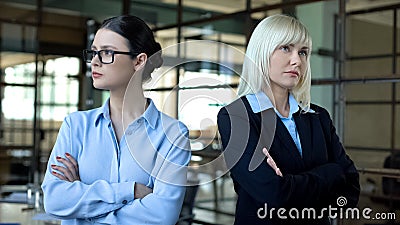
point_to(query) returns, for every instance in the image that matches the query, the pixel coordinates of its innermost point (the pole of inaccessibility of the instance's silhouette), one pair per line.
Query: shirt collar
(103, 111)
(294, 106)
(150, 114)
(260, 102)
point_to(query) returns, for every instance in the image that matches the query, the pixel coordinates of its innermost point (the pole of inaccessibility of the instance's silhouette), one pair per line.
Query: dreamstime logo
(195, 53)
(332, 212)
(341, 201)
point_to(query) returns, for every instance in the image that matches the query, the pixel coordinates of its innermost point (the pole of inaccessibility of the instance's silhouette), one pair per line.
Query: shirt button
(124, 202)
(128, 132)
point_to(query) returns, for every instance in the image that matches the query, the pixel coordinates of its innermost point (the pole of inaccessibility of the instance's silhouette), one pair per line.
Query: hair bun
(156, 59)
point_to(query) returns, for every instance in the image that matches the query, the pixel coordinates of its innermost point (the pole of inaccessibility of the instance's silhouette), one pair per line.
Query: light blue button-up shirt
(154, 151)
(260, 102)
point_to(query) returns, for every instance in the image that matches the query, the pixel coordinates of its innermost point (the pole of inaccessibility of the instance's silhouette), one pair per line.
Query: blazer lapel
(286, 139)
(304, 129)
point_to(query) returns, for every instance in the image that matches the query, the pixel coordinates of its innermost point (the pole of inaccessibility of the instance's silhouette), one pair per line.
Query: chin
(99, 86)
(291, 86)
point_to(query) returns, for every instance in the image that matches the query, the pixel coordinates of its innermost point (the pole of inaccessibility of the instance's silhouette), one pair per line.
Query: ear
(140, 61)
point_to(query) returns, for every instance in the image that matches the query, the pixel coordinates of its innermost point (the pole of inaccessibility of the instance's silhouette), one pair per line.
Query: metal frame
(393, 79)
(390, 78)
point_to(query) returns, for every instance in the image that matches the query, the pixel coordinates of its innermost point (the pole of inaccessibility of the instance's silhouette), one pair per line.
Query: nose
(295, 59)
(95, 59)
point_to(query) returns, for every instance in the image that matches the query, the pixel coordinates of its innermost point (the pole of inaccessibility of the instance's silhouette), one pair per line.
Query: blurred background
(355, 67)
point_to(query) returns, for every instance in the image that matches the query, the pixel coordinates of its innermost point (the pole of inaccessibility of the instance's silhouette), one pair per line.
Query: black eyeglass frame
(98, 53)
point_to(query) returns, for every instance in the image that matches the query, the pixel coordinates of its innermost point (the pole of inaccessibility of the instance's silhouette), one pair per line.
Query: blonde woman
(306, 165)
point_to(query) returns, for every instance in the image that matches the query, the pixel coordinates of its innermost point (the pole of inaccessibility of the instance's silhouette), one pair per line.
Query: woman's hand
(68, 172)
(272, 163)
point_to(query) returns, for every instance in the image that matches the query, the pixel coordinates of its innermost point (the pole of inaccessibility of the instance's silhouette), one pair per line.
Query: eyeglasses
(105, 56)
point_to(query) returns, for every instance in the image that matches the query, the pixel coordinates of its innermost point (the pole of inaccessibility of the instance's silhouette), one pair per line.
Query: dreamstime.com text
(332, 212)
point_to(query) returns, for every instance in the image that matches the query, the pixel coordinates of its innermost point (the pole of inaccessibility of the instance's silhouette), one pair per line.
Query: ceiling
(162, 12)
(192, 8)
(229, 6)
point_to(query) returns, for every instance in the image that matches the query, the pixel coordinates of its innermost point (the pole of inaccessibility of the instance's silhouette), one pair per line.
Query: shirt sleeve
(71, 200)
(164, 204)
(305, 189)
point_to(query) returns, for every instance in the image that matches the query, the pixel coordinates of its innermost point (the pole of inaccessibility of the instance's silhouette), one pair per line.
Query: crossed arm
(70, 172)
(306, 189)
(66, 197)
(112, 201)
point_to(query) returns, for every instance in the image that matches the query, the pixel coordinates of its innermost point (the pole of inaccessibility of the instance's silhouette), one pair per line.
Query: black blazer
(316, 179)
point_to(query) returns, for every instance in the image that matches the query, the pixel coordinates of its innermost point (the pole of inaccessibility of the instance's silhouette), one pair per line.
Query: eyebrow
(304, 47)
(104, 47)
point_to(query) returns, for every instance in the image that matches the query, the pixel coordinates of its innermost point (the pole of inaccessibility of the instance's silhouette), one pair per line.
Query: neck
(127, 105)
(281, 97)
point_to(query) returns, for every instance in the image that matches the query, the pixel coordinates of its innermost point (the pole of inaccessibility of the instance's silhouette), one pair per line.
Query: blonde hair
(270, 33)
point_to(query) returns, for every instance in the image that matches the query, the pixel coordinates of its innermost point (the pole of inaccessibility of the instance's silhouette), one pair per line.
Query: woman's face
(288, 64)
(114, 76)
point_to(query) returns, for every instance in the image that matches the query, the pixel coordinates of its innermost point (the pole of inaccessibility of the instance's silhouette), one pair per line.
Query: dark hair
(140, 38)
